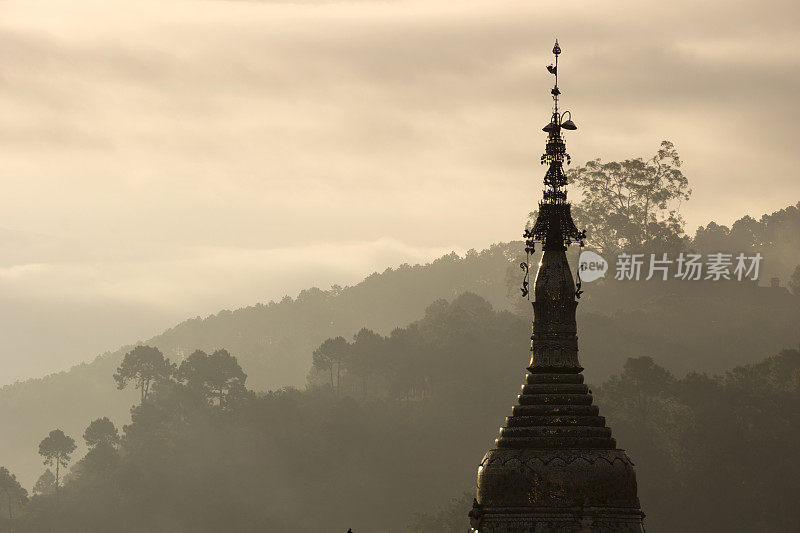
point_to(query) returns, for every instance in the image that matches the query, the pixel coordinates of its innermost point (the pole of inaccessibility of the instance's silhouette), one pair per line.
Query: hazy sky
(160, 160)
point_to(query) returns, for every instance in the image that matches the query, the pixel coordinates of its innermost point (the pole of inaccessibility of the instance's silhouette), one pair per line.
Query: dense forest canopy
(383, 458)
(722, 325)
(633, 204)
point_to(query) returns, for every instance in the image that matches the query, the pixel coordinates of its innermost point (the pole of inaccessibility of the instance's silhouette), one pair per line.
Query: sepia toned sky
(166, 159)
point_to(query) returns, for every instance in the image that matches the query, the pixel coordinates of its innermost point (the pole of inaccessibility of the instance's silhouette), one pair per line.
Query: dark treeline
(273, 343)
(202, 453)
(713, 453)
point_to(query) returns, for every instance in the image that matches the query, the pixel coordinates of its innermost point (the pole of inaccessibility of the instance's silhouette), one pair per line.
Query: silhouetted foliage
(363, 361)
(719, 327)
(102, 438)
(56, 449)
(14, 496)
(101, 431)
(218, 377)
(775, 236)
(144, 365)
(712, 443)
(331, 354)
(632, 204)
(713, 454)
(410, 410)
(319, 460)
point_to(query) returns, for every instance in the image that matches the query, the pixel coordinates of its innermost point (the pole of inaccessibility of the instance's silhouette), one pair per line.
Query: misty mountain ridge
(729, 324)
(273, 342)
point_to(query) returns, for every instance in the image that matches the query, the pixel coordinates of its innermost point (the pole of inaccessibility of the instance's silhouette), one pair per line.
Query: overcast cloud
(160, 160)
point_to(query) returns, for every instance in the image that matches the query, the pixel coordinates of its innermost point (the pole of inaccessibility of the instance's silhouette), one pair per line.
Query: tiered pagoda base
(555, 467)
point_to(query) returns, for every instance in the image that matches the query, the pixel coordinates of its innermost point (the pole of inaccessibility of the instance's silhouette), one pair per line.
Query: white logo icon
(592, 266)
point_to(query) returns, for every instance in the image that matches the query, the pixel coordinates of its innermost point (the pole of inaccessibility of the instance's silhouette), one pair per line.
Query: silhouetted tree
(56, 449)
(144, 365)
(634, 203)
(13, 491)
(217, 376)
(102, 438)
(331, 353)
(101, 431)
(365, 356)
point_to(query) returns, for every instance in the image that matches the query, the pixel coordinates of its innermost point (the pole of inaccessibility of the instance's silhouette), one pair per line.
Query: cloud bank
(167, 159)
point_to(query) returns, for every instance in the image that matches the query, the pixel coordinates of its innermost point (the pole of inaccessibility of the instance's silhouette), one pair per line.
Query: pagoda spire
(555, 466)
(554, 226)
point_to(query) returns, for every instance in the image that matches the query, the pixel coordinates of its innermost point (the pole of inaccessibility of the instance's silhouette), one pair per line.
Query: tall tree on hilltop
(632, 204)
(56, 448)
(217, 376)
(332, 353)
(144, 365)
(14, 492)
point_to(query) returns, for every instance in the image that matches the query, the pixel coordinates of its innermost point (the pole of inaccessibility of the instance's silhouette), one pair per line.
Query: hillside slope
(273, 343)
(370, 458)
(701, 326)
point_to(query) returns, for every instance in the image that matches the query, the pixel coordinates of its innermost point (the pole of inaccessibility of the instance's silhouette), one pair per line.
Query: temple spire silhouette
(555, 466)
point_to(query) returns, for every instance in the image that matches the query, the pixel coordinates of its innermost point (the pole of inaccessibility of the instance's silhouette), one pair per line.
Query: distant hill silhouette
(373, 459)
(684, 326)
(272, 341)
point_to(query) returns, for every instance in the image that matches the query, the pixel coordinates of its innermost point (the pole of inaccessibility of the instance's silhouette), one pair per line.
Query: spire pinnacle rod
(555, 94)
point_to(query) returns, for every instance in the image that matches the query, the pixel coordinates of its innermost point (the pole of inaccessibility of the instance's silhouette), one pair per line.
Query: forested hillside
(196, 459)
(272, 341)
(685, 326)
